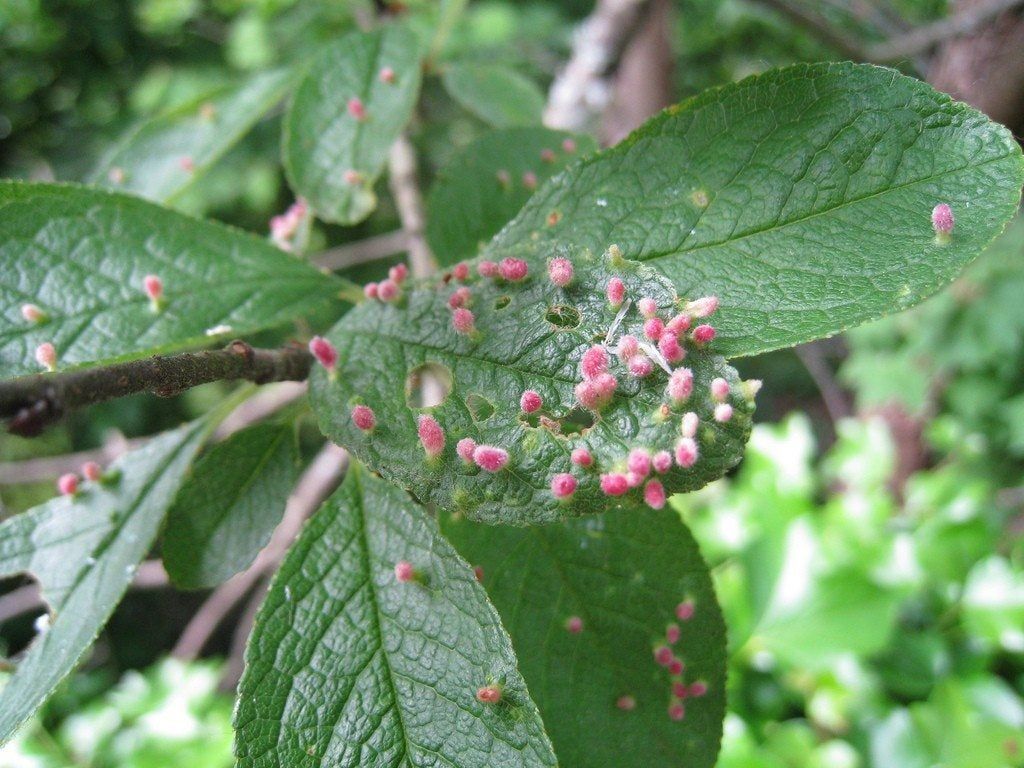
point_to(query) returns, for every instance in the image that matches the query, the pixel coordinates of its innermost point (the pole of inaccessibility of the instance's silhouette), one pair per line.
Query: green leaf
(225, 513)
(81, 256)
(323, 140)
(471, 199)
(624, 574)
(496, 94)
(801, 197)
(162, 157)
(83, 550)
(347, 666)
(530, 335)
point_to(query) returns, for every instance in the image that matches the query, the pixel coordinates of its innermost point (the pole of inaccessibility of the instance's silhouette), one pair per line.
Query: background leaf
(83, 550)
(470, 201)
(347, 666)
(226, 511)
(801, 197)
(496, 94)
(322, 140)
(162, 157)
(530, 335)
(81, 256)
(623, 574)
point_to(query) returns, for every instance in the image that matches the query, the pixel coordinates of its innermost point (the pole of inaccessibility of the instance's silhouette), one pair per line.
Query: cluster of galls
(389, 290)
(357, 111)
(529, 178)
(285, 227)
(68, 483)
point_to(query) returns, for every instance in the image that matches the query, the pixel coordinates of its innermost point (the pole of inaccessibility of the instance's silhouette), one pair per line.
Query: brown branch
(33, 402)
(924, 38)
(370, 249)
(836, 401)
(409, 202)
(240, 638)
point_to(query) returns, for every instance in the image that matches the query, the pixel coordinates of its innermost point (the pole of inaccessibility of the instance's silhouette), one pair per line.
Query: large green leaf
(801, 197)
(322, 138)
(84, 550)
(623, 574)
(487, 183)
(162, 157)
(227, 510)
(347, 666)
(529, 335)
(494, 93)
(81, 256)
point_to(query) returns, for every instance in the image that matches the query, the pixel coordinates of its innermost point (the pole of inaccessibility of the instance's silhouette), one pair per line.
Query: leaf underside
(347, 666)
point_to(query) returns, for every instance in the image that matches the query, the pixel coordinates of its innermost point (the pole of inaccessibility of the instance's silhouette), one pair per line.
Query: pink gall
(560, 271)
(626, 703)
(654, 328)
(670, 348)
(387, 290)
(697, 689)
(530, 180)
(530, 401)
(634, 479)
(463, 321)
(187, 164)
(676, 667)
(662, 462)
(387, 75)
(702, 307)
(563, 485)
(574, 625)
(640, 366)
(723, 413)
(594, 394)
(672, 634)
(67, 484)
(153, 287)
(92, 471)
(461, 271)
(489, 458)
(547, 155)
(568, 145)
(513, 270)
(676, 712)
(352, 177)
(464, 448)
(324, 352)
(639, 461)
(33, 314)
(370, 290)
(46, 356)
(680, 385)
(654, 494)
(703, 334)
(942, 219)
(614, 484)
(685, 610)
(478, 573)
(629, 347)
(404, 572)
(663, 656)
(504, 178)
(686, 452)
(648, 307)
(678, 325)
(364, 418)
(719, 389)
(489, 694)
(487, 269)
(581, 457)
(594, 362)
(356, 108)
(679, 690)
(616, 292)
(398, 273)
(431, 435)
(460, 298)
(688, 424)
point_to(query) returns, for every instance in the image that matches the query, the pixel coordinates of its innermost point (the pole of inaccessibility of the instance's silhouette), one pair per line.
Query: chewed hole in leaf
(480, 408)
(427, 385)
(563, 316)
(577, 421)
(502, 301)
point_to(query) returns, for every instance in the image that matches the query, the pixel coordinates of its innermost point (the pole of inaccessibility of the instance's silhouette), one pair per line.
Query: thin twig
(409, 202)
(370, 249)
(836, 401)
(926, 37)
(820, 26)
(240, 638)
(33, 402)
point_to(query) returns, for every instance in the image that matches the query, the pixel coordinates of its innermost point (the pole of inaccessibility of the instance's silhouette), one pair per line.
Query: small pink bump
(560, 271)
(670, 348)
(719, 389)
(504, 178)
(574, 625)
(703, 334)
(640, 366)
(352, 177)
(431, 435)
(686, 452)
(723, 413)
(702, 307)
(626, 703)
(942, 219)
(634, 479)
(581, 457)
(460, 298)
(370, 290)
(32, 313)
(464, 448)
(654, 494)
(404, 572)
(187, 164)
(594, 362)
(680, 385)
(356, 108)
(478, 573)
(614, 484)
(594, 394)
(654, 328)
(463, 321)
(639, 461)
(563, 485)
(676, 712)
(68, 484)
(387, 75)
(92, 471)
(513, 270)
(679, 690)
(489, 694)
(490, 458)
(530, 401)
(679, 324)
(154, 288)
(684, 611)
(676, 667)
(568, 145)
(530, 180)
(487, 269)
(663, 656)
(648, 307)
(398, 273)
(662, 462)
(616, 292)
(698, 689)
(461, 271)
(387, 290)
(629, 347)
(46, 356)
(672, 634)
(324, 352)
(689, 423)
(364, 418)
(547, 155)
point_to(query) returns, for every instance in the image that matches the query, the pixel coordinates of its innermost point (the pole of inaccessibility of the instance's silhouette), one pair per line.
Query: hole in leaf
(502, 301)
(577, 421)
(427, 385)
(563, 316)
(480, 408)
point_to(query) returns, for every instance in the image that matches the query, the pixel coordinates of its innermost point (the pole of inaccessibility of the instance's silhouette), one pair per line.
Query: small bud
(703, 334)
(547, 155)
(680, 385)
(678, 325)
(581, 457)
(719, 389)
(676, 712)
(676, 667)
(653, 328)
(594, 362)
(33, 314)
(463, 321)
(670, 348)
(387, 75)
(663, 656)
(487, 269)
(686, 452)
(461, 271)
(352, 177)
(560, 271)
(364, 418)
(489, 694)
(460, 298)
(324, 352)
(689, 423)
(68, 484)
(92, 471)
(662, 462)
(490, 458)
(648, 307)
(723, 413)
(513, 270)
(574, 625)
(684, 611)
(431, 435)
(942, 220)
(356, 108)
(404, 572)
(46, 356)
(464, 448)
(504, 178)
(697, 689)
(387, 290)
(530, 401)
(568, 145)
(639, 461)
(370, 290)
(614, 484)
(530, 180)
(398, 273)
(154, 288)
(628, 347)
(702, 307)
(672, 634)
(563, 485)
(640, 366)
(654, 494)
(616, 291)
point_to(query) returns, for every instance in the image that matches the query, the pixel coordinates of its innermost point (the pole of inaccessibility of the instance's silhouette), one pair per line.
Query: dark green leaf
(81, 255)
(84, 550)
(801, 197)
(623, 574)
(227, 510)
(162, 157)
(530, 335)
(347, 666)
(487, 183)
(323, 140)
(494, 93)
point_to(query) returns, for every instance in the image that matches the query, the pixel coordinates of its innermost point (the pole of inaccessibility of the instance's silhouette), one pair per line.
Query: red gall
(387, 75)
(680, 385)
(723, 413)
(487, 269)
(560, 271)
(46, 356)
(703, 334)
(614, 484)
(398, 273)
(405, 572)
(662, 462)
(574, 625)
(530, 401)
(356, 108)
(431, 435)
(324, 352)
(686, 452)
(387, 290)
(654, 494)
(616, 292)
(92, 471)
(942, 219)
(489, 694)
(513, 270)
(464, 448)
(463, 321)
(563, 486)
(594, 362)
(33, 314)
(67, 484)
(685, 610)
(364, 418)
(490, 458)
(581, 457)
(461, 271)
